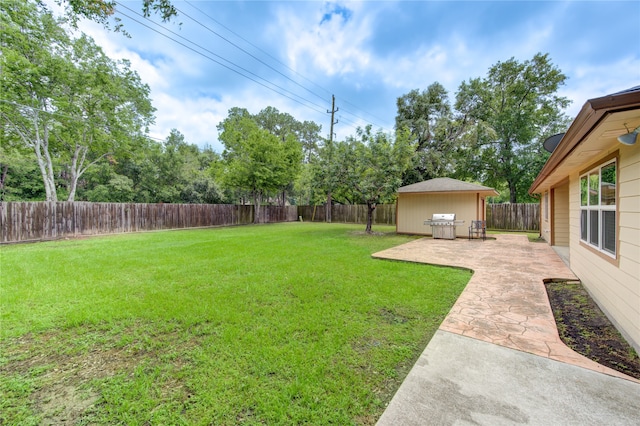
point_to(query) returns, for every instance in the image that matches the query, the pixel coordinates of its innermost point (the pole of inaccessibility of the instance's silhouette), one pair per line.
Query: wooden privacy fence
(384, 214)
(514, 217)
(36, 221)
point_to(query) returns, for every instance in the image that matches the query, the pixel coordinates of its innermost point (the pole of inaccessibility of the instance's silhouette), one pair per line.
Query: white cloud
(368, 53)
(588, 81)
(324, 41)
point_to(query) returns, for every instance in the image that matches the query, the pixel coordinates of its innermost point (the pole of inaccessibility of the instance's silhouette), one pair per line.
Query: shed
(419, 201)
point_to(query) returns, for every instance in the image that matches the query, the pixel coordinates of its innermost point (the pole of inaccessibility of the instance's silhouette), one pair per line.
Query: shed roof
(446, 185)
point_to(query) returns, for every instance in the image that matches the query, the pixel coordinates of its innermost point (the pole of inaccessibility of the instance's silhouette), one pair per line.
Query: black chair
(479, 228)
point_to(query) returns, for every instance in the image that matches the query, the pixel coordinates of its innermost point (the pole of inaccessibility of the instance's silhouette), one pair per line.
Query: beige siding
(545, 220)
(561, 215)
(414, 209)
(614, 284)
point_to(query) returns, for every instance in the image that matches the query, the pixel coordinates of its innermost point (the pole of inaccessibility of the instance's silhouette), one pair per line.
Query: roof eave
(592, 112)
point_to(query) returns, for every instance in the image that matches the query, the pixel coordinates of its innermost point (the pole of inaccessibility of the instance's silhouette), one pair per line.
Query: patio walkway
(505, 304)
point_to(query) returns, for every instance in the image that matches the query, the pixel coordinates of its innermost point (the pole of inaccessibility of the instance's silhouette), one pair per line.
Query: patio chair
(479, 228)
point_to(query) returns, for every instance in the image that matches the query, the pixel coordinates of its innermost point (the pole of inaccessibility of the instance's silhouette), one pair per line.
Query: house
(590, 204)
(419, 201)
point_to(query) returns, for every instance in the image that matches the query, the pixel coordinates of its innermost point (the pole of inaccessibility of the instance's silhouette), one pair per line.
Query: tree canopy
(63, 98)
(75, 124)
(369, 167)
(434, 128)
(514, 108)
(102, 11)
(262, 155)
(495, 131)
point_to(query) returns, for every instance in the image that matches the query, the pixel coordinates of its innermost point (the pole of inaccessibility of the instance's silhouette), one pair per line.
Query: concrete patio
(497, 357)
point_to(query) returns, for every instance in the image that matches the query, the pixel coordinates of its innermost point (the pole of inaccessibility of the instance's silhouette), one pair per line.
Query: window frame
(590, 210)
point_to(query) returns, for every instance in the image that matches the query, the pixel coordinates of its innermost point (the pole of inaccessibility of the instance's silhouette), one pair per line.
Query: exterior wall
(414, 209)
(613, 283)
(561, 215)
(545, 216)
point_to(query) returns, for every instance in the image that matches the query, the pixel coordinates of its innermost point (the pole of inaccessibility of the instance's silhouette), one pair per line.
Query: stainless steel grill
(443, 225)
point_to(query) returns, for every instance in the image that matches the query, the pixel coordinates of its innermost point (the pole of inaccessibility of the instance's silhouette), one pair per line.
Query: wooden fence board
(384, 214)
(37, 221)
(516, 217)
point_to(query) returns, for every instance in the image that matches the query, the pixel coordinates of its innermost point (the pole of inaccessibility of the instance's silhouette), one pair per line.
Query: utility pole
(329, 200)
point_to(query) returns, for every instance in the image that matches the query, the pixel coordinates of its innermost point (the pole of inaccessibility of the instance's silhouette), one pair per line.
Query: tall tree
(105, 105)
(435, 130)
(294, 135)
(63, 98)
(514, 107)
(372, 166)
(33, 47)
(325, 170)
(256, 160)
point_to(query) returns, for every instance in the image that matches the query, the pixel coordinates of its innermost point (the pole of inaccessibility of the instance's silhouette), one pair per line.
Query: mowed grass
(274, 324)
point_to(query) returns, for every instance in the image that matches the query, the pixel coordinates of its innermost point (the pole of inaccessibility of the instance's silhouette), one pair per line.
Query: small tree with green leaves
(371, 166)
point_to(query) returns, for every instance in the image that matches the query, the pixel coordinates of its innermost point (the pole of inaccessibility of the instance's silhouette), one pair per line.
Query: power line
(220, 63)
(243, 50)
(275, 59)
(347, 121)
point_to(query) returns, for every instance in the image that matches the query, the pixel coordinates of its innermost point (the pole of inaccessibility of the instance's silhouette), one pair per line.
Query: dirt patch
(63, 404)
(62, 366)
(587, 330)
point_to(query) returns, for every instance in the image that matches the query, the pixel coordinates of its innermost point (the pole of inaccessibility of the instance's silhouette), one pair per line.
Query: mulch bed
(587, 330)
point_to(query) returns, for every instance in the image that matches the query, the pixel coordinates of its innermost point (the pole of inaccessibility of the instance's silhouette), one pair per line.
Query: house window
(598, 208)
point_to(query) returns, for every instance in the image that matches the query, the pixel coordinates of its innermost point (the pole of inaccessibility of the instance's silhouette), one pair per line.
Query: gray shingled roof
(446, 185)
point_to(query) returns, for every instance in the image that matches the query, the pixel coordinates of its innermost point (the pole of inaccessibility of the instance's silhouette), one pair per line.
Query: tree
(33, 44)
(101, 11)
(434, 129)
(513, 108)
(105, 104)
(183, 172)
(372, 166)
(294, 135)
(19, 174)
(256, 160)
(63, 98)
(325, 169)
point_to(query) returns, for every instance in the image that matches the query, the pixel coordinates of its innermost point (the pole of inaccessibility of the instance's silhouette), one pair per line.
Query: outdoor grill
(443, 225)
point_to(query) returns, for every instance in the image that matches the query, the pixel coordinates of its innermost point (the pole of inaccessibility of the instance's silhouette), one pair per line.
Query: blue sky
(365, 53)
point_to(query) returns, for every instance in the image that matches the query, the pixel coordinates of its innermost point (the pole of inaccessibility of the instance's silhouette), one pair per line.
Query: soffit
(601, 141)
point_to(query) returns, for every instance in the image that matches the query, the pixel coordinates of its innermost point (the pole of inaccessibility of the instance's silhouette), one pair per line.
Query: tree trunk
(46, 170)
(513, 197)
(40, 147)
(370, 209)
(328, 208)
(79, 155)
(257, 201)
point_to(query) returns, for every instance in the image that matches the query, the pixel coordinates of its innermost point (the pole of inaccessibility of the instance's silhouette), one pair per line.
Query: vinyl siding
(561, 215)
(614, 284)
(414, 209)
(545, 221)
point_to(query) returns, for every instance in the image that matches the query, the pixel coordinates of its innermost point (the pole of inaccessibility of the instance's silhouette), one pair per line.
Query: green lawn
(274, 324)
